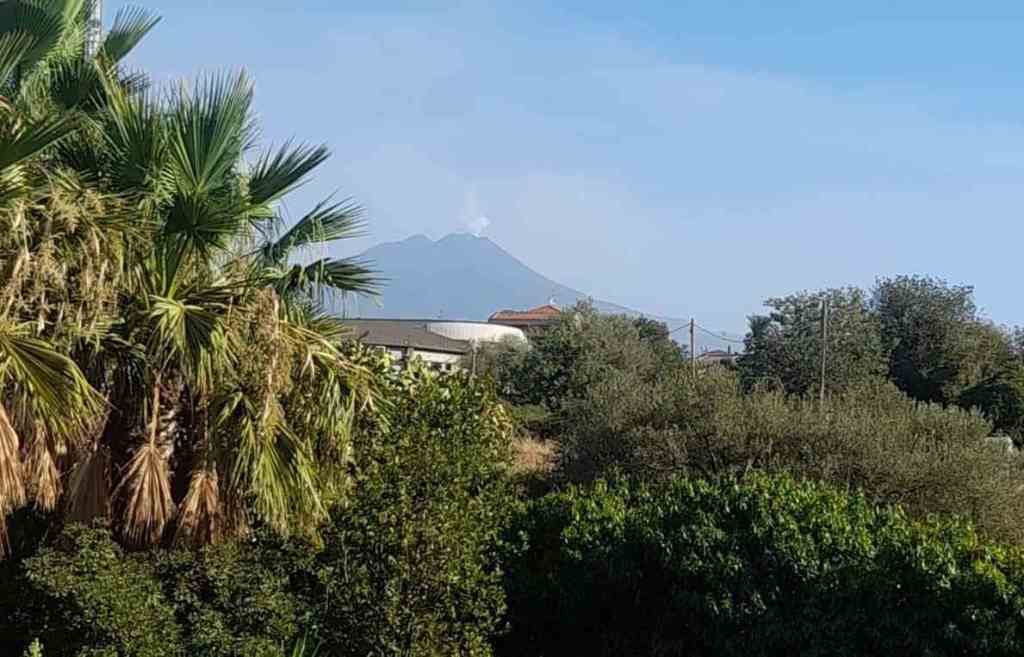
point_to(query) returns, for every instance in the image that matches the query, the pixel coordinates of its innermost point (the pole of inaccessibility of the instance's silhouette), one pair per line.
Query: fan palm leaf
(131, 25)
(278, 173)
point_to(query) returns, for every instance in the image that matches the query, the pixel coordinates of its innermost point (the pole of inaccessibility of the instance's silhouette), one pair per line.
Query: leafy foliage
(409, 560)
(159, 346)
(83, 596)
(239, 599)
(580, 349)
(785, 346)
(922, 321)
(762, 566)
(927, 458)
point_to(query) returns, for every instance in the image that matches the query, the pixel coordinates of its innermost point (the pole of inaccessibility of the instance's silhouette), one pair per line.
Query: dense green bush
(82, 596)
(927, 458)
(408, 566)
(240, 599)
(762, 566)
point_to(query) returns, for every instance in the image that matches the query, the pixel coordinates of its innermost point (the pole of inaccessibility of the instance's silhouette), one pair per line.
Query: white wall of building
(475, 331)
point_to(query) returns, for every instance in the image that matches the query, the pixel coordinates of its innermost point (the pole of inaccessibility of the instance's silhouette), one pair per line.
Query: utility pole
(824, 344)
(93, 28)
(693, 349)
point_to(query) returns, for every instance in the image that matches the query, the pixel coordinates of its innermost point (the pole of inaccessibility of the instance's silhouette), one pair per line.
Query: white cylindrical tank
(475, 331)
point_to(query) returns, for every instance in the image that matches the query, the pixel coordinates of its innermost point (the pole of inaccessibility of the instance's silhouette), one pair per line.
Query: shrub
(762, 566)
(927, 458)
(408, 565)
(239, 599)
(84, 596)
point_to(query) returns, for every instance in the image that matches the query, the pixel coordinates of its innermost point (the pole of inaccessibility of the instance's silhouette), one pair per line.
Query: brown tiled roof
(540, 313)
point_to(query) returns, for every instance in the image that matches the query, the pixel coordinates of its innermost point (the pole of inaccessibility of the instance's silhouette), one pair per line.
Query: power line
(719, 336)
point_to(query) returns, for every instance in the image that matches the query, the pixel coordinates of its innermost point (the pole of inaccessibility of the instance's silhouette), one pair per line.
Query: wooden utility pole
(824, 344)
(693, 348)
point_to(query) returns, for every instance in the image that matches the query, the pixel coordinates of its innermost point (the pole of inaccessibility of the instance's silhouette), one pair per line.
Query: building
(528, 320)
(440, 344)
(719, 357)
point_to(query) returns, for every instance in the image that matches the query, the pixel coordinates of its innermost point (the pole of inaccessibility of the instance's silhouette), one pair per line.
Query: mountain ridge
(469, 277)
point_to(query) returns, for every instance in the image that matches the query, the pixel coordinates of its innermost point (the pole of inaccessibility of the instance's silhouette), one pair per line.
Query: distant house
(528, 320)
(718, 356)
(440, 344)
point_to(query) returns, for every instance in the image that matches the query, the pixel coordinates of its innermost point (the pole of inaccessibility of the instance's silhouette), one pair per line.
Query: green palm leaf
(210, 129)
(13, 48)
(51, 379)
(136, 141)
(272, 469)
(276, 174)
(188, 333)
(20, 142)
(46, 23)
(327, 222)
(131, 25)
(347, 275)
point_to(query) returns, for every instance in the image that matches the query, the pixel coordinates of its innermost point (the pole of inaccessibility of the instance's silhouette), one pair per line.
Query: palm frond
(89, 486)
(26, 140)
(131, 25)
(136, 140)
(12, 486)
(202, 225)
(348, 275)
(76, 83)
(188, 333)
(146, 485)
(13, 48)
(42, 474)
(327, 222)
(19, 142)
(211, 127)
(278, 173)
(273, 469)
(46, 23)
(54, 383)
(201, 514)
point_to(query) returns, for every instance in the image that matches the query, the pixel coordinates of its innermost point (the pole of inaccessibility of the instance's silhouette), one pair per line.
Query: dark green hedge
(765, 566)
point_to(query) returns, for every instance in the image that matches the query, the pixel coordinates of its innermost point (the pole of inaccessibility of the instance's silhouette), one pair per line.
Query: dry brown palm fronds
(146, 486)
(201, 516)
(41, 472)
(5, 546)
(12, 484)
(89, 488)
(146, 482)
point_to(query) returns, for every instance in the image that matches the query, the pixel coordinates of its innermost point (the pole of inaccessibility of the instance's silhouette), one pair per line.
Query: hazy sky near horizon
(682, 158)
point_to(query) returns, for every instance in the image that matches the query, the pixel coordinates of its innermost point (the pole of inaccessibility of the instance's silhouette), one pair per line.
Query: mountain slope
(462, 276)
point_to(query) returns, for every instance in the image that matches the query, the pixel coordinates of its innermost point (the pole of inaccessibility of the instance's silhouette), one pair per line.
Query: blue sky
(682, 158)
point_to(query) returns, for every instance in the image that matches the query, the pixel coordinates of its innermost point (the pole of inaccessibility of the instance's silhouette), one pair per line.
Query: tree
(922, 322)
(1000, 397)
(411, 556)
(581, 348)
(785, 346)
(161, 353)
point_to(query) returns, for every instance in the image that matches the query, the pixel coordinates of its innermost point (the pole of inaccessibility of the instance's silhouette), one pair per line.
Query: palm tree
(206, 384)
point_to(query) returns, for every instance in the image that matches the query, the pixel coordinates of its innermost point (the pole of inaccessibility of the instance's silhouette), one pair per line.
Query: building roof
(402, 333)
(718, 354)
(546, 313)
